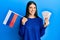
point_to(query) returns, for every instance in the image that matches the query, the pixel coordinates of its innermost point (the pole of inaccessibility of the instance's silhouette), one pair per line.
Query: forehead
(32, 5)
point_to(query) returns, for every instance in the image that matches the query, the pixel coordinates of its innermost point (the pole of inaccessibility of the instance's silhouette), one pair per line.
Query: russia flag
(10, 18)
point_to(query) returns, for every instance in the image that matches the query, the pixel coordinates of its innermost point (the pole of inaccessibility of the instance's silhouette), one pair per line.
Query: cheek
(35, 10)
(30, 10)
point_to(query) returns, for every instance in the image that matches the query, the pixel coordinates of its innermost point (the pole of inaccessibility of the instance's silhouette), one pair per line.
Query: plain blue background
(19, 6)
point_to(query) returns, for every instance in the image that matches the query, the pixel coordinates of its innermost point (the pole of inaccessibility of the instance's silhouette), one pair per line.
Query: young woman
(31, 26)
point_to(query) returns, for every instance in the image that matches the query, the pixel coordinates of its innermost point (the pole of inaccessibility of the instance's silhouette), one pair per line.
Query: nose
(32, 9)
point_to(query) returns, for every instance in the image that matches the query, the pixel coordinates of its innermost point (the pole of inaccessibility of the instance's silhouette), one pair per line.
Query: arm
(22, 26)
(43, 26)
(42, 29)
(21, 29)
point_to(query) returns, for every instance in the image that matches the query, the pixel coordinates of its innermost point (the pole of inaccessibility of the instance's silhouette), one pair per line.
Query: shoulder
(40, 18)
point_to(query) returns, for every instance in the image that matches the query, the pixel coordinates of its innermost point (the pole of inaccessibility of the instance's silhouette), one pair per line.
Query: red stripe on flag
(13, 20)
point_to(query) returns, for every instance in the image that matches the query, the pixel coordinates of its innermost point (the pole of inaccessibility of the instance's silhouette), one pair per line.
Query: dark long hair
(27, 10)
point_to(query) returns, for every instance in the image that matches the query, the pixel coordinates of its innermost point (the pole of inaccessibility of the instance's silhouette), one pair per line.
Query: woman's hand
(24, 20)
(46, 22)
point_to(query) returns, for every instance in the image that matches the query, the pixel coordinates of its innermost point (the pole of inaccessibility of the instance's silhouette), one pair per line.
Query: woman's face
(32, 9)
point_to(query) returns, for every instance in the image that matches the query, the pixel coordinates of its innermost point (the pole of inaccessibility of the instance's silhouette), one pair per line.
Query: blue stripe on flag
(10, 18)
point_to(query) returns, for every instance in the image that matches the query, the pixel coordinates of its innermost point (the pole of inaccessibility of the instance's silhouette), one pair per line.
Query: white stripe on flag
(7, 17)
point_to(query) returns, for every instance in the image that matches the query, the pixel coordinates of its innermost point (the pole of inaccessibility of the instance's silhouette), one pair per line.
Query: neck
(32, 16)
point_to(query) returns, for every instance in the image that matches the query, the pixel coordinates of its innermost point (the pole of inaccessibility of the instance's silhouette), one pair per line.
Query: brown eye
(30, 7)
